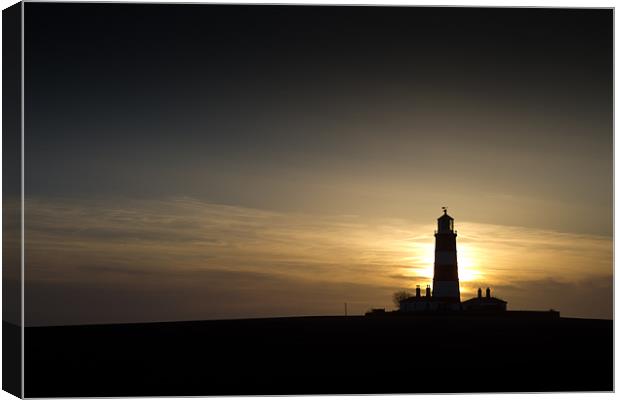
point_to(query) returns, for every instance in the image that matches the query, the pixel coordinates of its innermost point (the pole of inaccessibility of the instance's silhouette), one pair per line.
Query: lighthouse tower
(446, 276)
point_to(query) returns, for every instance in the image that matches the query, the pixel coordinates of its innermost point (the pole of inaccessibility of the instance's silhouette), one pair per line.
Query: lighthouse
(446, 274)
(446, 294)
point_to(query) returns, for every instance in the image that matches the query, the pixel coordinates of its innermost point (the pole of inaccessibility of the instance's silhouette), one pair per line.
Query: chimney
(428, 290)
(479, 293)
(488, 293)
(417, 290)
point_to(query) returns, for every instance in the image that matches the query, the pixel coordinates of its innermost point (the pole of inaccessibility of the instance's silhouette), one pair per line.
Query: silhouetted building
(419, 302)
(486, 303)
(446, 294)
(446, 274)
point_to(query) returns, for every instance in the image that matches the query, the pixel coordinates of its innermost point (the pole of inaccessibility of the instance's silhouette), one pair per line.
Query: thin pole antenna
(345, 309)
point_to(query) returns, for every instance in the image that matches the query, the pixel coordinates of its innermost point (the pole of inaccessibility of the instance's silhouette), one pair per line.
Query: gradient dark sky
(378, 112)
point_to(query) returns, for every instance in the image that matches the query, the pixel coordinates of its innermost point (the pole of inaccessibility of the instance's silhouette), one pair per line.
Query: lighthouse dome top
(445, 214)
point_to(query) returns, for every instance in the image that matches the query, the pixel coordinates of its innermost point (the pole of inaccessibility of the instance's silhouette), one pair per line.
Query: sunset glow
(470, 268)
(164, 243)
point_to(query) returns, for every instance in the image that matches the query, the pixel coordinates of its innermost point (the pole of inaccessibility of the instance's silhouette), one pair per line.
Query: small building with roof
(486, 303)
(419, 303)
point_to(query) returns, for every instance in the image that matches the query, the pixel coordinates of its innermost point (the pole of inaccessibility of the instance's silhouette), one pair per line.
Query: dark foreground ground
(320, 355)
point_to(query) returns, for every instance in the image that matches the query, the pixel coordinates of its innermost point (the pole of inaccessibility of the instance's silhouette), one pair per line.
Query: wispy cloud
(120, 244)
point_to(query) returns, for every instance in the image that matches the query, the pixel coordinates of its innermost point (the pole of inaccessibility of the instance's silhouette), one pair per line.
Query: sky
(198, 161)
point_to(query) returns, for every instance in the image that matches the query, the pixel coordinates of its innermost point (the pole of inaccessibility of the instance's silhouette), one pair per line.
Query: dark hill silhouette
(308, 355)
